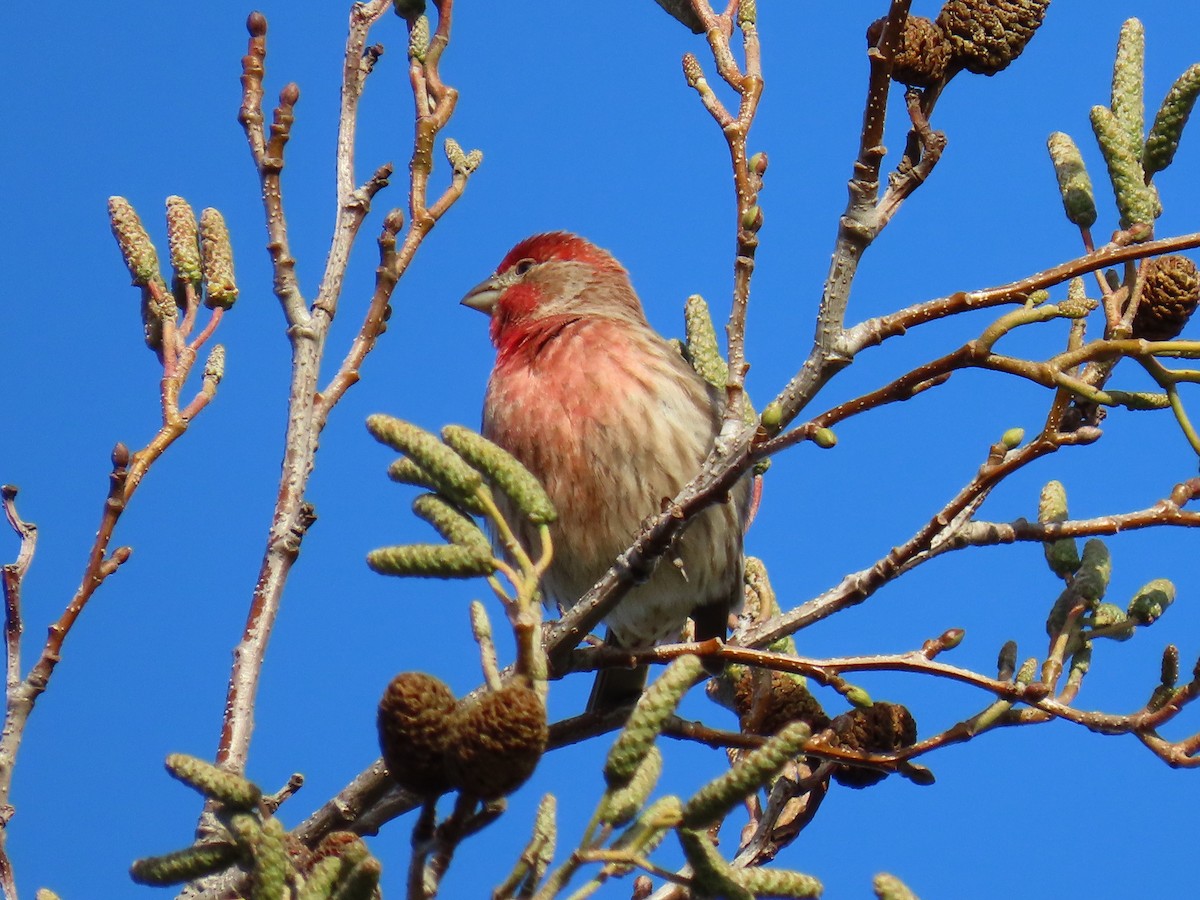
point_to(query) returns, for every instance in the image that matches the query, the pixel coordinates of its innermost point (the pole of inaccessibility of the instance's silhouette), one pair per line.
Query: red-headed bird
(612, 420)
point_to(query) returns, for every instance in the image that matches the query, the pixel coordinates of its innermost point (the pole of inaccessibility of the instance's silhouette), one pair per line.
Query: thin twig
(309, 408)
(13, 576)
(746, 182)
(873, 332)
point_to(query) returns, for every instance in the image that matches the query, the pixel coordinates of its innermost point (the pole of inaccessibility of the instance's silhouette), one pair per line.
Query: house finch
(612, 420)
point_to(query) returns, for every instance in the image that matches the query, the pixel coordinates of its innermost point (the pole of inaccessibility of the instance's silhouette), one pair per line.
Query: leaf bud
(752, 218)
(952, 637)
(256, 24)
(1006, 662)
(857, 697)
(772, 416)
(824, 438)
(1012, 438)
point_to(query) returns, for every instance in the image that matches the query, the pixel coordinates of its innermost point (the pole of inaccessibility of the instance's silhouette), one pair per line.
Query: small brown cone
(923, 53)
(1170, 294)
(881, 728)
(497, 741)
(986, 35)
(414, 731)
(765, 708)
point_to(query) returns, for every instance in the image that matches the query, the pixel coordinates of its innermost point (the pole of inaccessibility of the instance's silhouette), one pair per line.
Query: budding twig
(309, 407)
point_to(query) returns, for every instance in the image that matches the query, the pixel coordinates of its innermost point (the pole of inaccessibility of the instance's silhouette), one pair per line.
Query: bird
(613, 421)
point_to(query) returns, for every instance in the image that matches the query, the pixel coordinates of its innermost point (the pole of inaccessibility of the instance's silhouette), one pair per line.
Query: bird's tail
(614, 688)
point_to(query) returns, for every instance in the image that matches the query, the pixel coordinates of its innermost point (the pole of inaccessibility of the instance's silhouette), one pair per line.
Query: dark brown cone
(497, 741)
(1170, 293)
(784, 699)
(414, 730)
(923, 53)
(881, 728)
(986, 35)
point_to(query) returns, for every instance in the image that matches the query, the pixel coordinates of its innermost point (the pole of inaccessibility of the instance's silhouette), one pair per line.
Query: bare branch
(309, 407)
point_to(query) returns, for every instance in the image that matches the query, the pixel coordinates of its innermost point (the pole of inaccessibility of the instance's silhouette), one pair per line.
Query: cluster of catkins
(247, 837)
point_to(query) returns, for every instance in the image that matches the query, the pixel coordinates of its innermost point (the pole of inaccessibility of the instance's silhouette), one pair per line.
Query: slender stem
(13, 575)
(873, 332)
(309, 407)
(858, 586)
(857, 228)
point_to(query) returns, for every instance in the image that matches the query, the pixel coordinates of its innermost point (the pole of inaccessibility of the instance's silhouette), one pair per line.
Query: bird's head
(550, 278)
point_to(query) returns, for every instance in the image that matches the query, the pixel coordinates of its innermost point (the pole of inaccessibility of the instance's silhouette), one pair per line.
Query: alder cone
(881, 728)
(986, 35)
(766, 708)
(497, 741)
(413, 722)
(923, 53)
(1170, 293)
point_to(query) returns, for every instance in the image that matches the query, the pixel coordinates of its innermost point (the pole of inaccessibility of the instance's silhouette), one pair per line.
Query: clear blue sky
(585, 124)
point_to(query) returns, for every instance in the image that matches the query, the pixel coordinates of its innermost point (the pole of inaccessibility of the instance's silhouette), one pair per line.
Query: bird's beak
(483, 296)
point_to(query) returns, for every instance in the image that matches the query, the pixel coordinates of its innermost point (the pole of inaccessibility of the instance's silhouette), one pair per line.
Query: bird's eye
(523, 266)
